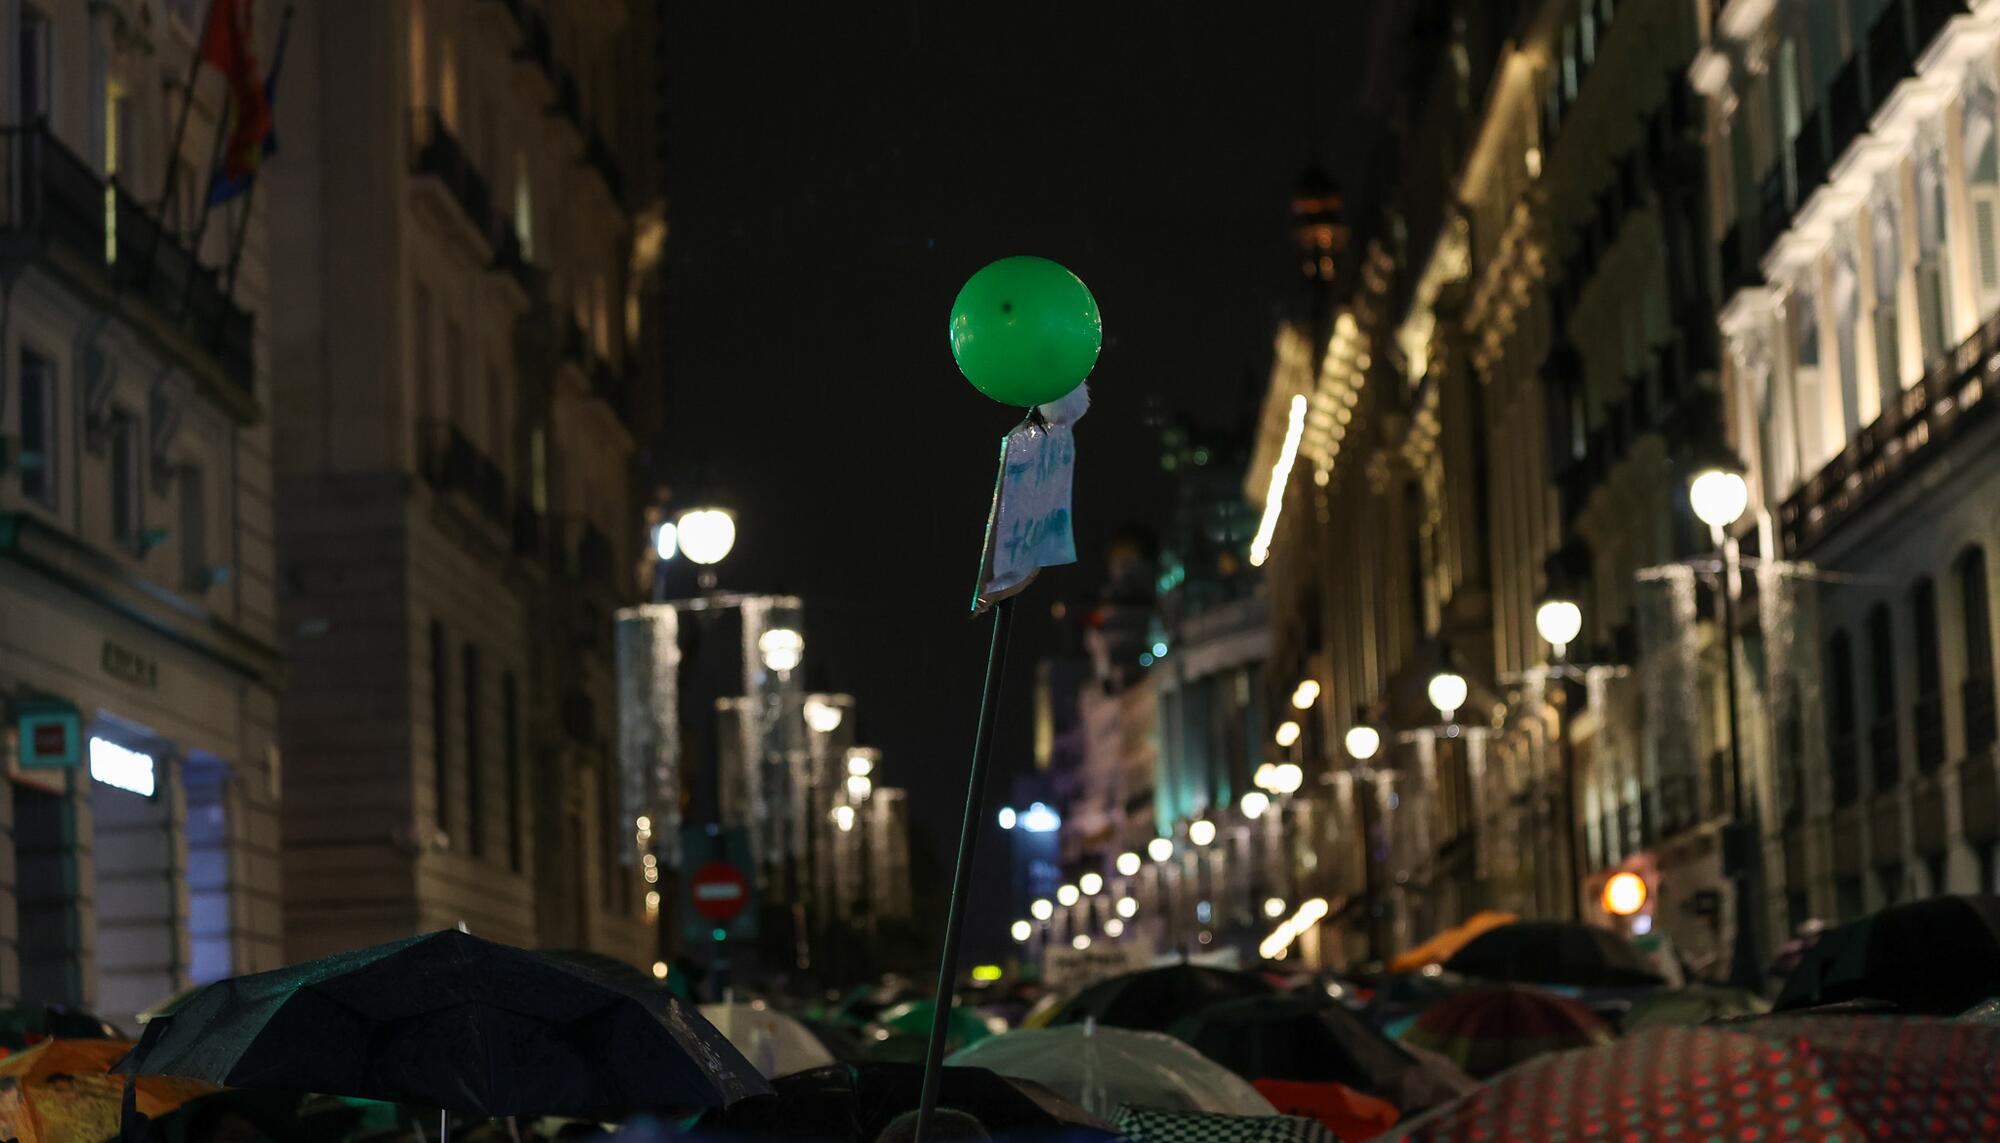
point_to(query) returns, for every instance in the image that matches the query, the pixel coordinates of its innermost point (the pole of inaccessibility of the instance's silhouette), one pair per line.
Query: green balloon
(1025, 331)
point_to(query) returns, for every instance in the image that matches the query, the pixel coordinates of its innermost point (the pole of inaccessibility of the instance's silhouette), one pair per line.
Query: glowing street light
(1263, 777)
(1718, 496)
(1042, 909)
(1274, 907)
(1021, 931)
(1447, 692)
(1559, 622)
(1201, 831)
(1363, 742)
(666, 540)
(1008, 817)
(1286, 778)
(843, 817)
(1305, 694)
(1068, 895)
(1091, 884)
(1080, 942)
(859, 787)
(1255, 803)
(1624, 894)
(1127, 907)
(781, 648)
(1128, 864)
(1113, 927)
(861, 760)
(823, 716)
(1288, 733)
(706, 535)
(1160, 848)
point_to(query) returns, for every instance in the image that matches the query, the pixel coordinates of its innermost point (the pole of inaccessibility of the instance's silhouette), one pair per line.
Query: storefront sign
(130, 666)
(122, 767)
(50, 732)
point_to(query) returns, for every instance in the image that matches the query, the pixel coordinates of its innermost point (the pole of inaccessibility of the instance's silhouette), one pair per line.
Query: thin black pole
(1567, 755)
(968, 838)
(1747, 971)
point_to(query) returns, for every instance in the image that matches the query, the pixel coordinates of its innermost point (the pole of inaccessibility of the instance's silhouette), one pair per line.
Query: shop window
(440, 727)
(38, 448)
(127, 476)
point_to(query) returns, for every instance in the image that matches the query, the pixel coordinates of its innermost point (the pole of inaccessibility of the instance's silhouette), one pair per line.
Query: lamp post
(1559, 622)
(705, 535)
(1363, 742)
(1719, 495)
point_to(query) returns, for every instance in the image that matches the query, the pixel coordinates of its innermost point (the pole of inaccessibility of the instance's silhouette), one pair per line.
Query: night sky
(837, 171)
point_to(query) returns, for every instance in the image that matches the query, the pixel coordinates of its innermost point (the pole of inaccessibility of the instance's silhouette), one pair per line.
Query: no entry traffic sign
(719, 891)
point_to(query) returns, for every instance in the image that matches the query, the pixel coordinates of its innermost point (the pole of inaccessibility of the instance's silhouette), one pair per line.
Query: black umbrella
(20, 1027)
(1295, 1038)
(842, 1102)
(1151, 1000)
(451, 1021)
(1936, 957)
(1555, 952)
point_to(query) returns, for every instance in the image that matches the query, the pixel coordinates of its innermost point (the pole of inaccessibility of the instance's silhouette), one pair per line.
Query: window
(1569, 71)
(194, 530)
(127, 476)
(1977, 620)
(1883, 731)
(1929, 708)
(1982, 154)
(1885, 249)
(1790, 119)
(34, 64)
(117, 145)
(1840, 719)
(1846, 321)
(440, 727)
(1809, 409)
(475, 809)
(1587, 35)
(38, 428)
(510, 756)
(1933, 251)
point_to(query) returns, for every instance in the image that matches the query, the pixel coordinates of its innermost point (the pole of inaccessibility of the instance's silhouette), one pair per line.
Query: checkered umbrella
(1488, 1030)
(1823, 1078)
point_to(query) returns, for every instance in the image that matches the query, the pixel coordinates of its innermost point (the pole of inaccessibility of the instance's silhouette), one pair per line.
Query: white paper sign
(1028, 528)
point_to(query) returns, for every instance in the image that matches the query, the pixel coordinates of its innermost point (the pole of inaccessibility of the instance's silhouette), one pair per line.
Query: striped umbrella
(1490, 1029)
(1822, 1078)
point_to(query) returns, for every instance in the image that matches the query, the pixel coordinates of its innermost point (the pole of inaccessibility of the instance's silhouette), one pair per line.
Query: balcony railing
(597, 156)
(1846, 769)
(1928, 714)
(1980, 728)
(54, 200)
(452, 463)
(1885, 753)
(1909, 432)
(435, 151)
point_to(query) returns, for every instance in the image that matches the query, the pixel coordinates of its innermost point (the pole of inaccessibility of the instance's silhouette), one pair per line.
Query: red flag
(228, 45)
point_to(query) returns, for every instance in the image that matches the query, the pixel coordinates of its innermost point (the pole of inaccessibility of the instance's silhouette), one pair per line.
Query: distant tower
(1319, 225)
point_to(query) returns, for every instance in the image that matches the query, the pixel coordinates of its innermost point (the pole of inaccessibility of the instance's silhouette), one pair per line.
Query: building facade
(456, 332)
(138, 611)
(1856, 183)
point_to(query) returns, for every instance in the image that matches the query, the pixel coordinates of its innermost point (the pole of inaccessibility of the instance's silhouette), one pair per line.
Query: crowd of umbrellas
(1500, 1029)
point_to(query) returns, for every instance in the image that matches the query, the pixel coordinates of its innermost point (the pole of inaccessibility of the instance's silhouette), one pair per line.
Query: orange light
(1624, 894)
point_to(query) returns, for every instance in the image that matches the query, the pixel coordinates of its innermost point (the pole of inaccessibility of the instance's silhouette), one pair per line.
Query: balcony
(1846, 769)
(435, 153)
(1907, 435)
(1980, 728)
(509, 259)
(453, 464)
(53, 210)
(582, 551)
(597, 156)
(1885, 752)
(1928, 713)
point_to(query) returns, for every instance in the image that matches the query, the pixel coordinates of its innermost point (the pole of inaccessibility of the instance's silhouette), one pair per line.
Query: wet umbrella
(59, 1091)
(31, 1024)
(450, 1021)
(1488, 1030)
(854, 1102)
(840, 1041)
(1938, 957)
(1686, 1007)
(1151, 1000)
(1825, 1078)
(1293, 1038)
(1554, 952)
(1102, 1068)
(1440, 947)
(776, 1043)
(963, 1027)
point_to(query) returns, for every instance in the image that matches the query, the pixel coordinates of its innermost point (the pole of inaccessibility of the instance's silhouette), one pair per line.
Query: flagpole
(250, 192)
(201, 224)
(174, 152)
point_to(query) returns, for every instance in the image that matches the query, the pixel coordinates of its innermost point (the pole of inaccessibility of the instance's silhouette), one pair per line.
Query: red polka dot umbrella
(1846, 1079)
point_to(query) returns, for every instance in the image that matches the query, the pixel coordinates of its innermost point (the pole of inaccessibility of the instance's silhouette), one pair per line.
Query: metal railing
(452, 463)
(436, 152)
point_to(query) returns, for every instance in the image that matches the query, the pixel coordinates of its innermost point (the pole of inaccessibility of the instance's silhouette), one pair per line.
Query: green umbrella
(965, 1027)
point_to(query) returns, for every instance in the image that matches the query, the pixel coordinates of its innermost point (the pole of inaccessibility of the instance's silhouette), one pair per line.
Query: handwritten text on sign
(1029, 528)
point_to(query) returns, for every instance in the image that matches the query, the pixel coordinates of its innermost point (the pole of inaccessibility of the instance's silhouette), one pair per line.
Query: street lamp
(1559, 621)
(823, 716)
(1042, 909)
(861, 760)
(1255, 803)
(1008, 817)
(1080, 942)
(1447, 691)
(1021, 931)
(1127, 907)
(666, 540)
(1201, 831)
(1113, 927)
(1305, 694)
(1286, 778)
(1274, 907)
(1068, 895)
(1624, 894)
(706, 535)
(1288, 733)
(859, 787)
(1363, 741)
(1128, 864)
(781, 648)
(1160, 848)
(1090, 884)
(1719, 495)
(843, 817)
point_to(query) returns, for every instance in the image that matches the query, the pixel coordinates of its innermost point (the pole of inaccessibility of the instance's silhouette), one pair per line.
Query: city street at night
(1307, 571)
